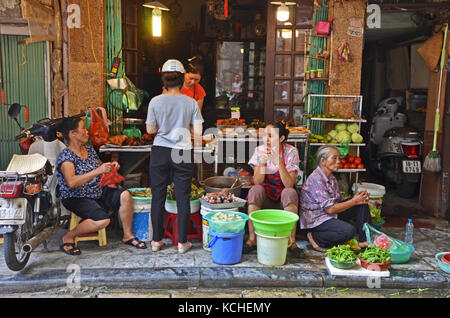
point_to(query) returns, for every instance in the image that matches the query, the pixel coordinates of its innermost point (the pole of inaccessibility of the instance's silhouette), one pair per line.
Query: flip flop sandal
(137, 245)
(73, 251)
(247, 248)
(296, 252)
(318, 248)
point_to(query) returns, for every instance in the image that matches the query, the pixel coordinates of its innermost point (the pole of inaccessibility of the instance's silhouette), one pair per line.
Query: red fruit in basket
(347, 166)
(353, 166)
(343, 160)
(360, 166)
(357, 160)
(351, 159)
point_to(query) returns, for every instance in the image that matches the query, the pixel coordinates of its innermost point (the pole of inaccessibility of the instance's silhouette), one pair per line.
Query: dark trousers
(161, 162)
(338, 231)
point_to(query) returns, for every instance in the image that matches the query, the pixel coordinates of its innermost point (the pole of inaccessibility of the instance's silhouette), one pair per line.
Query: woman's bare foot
(314, 245)
(184, 247)
(156, 246)
(363, 244)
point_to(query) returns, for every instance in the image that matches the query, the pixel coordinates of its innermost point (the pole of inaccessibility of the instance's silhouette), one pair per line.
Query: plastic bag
(111, 179)
(98, 132)
(380, 239)
(343, 149)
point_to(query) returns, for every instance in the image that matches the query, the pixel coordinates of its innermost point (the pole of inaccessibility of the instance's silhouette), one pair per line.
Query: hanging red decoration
(225, 8)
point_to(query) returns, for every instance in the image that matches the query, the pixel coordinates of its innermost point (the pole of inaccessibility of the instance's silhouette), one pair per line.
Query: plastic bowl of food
(342, 265)
(444, 266)
(402, 255)
(375, 266)
(222, 225)
(378, 225)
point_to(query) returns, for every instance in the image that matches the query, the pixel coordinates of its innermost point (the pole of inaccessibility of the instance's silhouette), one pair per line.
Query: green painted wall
(24, 83)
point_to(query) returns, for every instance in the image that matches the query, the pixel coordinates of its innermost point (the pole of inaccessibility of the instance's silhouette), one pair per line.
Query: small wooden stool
(195, 227)
(100, 235)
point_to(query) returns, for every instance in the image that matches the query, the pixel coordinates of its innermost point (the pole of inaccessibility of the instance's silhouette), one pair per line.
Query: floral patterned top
(318, 193)
(92, 189)
(291, 159)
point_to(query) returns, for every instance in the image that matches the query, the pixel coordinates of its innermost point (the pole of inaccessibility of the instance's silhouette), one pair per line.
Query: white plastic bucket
(205, 227)
(376, 192)
(171, 206)
(271, 250)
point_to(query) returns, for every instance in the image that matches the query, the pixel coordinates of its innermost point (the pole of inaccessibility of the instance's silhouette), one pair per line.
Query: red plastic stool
(195, 227)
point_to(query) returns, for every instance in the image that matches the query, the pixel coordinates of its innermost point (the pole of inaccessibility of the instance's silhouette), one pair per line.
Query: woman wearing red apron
(276, 166)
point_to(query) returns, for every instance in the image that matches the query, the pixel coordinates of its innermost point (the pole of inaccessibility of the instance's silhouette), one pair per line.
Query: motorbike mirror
(14, 110)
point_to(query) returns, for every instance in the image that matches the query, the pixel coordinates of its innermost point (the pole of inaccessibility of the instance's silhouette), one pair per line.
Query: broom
(432, 161)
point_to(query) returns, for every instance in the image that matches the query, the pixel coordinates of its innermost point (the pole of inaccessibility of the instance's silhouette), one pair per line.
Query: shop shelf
(351, 170)
(340, 120)
(318, 79)
(321, 144)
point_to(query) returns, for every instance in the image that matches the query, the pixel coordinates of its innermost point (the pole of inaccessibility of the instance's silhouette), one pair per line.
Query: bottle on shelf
(409, 232)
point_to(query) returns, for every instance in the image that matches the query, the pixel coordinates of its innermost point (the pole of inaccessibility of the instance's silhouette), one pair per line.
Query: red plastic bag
(111, 179)
(322, 28)
(98, 133)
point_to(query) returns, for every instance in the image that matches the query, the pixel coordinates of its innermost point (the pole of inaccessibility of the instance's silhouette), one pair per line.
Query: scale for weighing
(133, 130)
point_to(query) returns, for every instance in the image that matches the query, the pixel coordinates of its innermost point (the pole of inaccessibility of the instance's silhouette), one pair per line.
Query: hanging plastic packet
(343, 149)
(344, 51)
(380, 239)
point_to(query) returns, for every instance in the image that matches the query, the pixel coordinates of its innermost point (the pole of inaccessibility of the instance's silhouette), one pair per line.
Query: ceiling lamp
(283, 10)
(157, 7)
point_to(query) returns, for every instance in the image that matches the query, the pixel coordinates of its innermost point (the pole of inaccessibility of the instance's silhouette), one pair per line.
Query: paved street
(118, 268)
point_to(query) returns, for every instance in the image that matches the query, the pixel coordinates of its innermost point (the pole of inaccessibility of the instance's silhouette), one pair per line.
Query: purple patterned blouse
(318, 193)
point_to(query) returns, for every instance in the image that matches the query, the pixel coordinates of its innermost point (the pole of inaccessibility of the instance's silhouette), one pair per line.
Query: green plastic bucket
(271, 250)
(274, 223)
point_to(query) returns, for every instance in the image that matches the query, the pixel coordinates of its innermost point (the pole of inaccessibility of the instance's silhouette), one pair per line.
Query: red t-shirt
(196, 92)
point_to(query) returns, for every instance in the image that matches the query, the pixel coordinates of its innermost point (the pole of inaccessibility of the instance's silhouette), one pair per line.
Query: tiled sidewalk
(119, 265)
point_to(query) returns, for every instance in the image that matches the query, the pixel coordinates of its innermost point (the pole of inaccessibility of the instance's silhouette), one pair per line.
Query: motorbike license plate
(411, 166)
(12, 209)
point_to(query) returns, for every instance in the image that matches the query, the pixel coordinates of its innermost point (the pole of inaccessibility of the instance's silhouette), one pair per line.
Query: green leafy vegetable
(344, 136)
(341, 127)
(196, 192)
(375, 254)
(341, 254)
(376, 215)
(353, 128)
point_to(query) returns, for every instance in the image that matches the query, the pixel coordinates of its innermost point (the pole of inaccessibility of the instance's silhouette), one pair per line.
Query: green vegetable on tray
(341, 254)
(196, 192)
(375, 254)
(147, 193)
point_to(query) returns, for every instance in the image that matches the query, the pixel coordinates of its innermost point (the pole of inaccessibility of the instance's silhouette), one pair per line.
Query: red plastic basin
(446, 258)
(374, 266)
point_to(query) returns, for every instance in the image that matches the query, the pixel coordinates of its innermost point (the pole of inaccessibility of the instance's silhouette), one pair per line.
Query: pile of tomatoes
(351, 162)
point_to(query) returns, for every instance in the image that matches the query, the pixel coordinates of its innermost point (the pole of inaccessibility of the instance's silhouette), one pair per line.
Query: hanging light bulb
(156, 22)
(283, 13)
(156, 16)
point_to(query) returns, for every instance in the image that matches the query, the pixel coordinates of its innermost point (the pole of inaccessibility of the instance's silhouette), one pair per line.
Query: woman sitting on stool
(324, 212)
(276, 165)
(78, 171)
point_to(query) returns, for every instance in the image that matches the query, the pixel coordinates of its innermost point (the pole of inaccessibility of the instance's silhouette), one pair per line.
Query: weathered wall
(86, 70)
(433, 184)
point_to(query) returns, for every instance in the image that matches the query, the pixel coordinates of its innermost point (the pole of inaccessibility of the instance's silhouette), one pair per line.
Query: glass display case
(240, 71)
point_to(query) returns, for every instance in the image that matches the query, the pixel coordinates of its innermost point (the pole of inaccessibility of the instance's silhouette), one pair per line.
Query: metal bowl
(217, 184)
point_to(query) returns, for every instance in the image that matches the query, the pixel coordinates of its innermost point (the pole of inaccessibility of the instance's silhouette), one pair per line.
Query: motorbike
(400, 158)
(30, 208)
